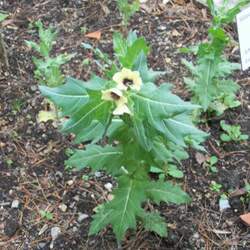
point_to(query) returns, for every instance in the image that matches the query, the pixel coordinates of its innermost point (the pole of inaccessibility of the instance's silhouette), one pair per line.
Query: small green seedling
(210, 82)
(48, 68)
(3, 16)
(233, 133)
(101, 59)
(85, 177)
(247, 188)
(9, 162)
(127, 10)
(215, 187)
(211, 163)
(46, 214)
(16, 106)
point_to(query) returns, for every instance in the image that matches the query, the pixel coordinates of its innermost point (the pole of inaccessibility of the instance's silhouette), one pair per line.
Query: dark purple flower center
(127, 82)
(115, 96)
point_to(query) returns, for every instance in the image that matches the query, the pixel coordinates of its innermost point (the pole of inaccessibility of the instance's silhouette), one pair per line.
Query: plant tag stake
(243, 24)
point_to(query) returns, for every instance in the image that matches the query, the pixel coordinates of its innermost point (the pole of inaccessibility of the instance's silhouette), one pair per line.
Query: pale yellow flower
(120, 101)
(128, 79)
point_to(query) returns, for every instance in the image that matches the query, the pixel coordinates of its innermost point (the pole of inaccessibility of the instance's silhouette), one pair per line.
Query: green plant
(48, 68)
(3, 52)
(210, 85)
(211, 163)
(101, 59)
(127, 9)
(3, 16)
(233, 133)
(46, 214)
(130, 124)
(9, 162)
(215, 187)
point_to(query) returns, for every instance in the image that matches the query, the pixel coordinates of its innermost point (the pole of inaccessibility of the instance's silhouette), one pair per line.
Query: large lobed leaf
(163, 111)
(98, 158)
(81, 103)
(125, 207)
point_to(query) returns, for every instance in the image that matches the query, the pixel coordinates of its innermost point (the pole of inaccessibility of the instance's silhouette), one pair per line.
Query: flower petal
(107, 94)
(121, 109)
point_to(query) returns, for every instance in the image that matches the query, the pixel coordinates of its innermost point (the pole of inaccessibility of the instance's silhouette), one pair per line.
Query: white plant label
(243, 24)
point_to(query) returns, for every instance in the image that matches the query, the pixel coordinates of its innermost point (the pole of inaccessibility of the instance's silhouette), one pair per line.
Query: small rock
(11, 227)
(33, 87)
(196, 236)
(110, 197)
(82, 217)
(41, 245)
(63, 207)
(223, 204)
(59, 174)
(108, 186)
(76, 198)
(55, 232)
(162, 27)
(70, 182)
(72, 204)
(15, 204)
(98, 174)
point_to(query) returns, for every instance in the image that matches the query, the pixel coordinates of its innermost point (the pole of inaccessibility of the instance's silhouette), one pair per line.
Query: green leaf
(95, 83)
(225, 137)
(121, 212)
(93, 133)
(156, 170)
(154, 222)
(213, 160)
(146, 74)
(174, 171)
(244, 137)
(69, 97)
(165, 191)
(3, 16)
(140, 134)
(165, 112)
(129, 50)
(95, 109)
(120, 45)
(100, 220)
(106, 158)
(133, 52)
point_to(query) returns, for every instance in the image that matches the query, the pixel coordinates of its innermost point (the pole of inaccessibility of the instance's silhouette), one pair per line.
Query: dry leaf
(175, 33)
(246, 218)
(200, 158)
(95, 35)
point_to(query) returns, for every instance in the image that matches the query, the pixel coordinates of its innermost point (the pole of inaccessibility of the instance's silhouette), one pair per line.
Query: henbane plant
(131, 124)
(48, 68)
(210, 84)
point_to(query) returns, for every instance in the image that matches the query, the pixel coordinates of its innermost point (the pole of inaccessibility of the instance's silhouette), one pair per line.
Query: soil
(32, 172)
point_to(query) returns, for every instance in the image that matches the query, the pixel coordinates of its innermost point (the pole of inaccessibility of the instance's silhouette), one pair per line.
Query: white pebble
(15, 204)
(108, 186)
(55, 232)
(82, 217)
